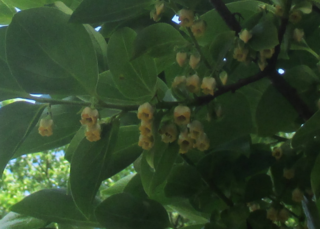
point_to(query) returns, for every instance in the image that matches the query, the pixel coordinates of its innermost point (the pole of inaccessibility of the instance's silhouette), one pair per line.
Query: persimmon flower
(240, 54)
(288, 173)
(295, 16)
(245, 35)
(145, 112)
(297, 195)
(178, 80)
(168, 132)
(195, 129)
(45, 128)
(223, 77)
(267, 53)
(155, 16)
(185, 142)
(262, 63)
(146, 128)
(145, 142)
(181, 58)
(277, 153)
(198, 28)
(208, 85)
(159, 8)
(93, 132)
(186, 17)
(192, 83)
(283, 215)
(194, 61)
(89, 116)
(202, 142)
(182, 115)
(298, 34)
(279, 11)
(272, 214)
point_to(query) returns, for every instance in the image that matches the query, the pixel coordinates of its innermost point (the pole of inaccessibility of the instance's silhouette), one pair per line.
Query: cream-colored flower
(93, 132)
(277, 152)
(295, 16)
(208, 85)
(267, 53)
(198, 28)
(262, 63)
(181, 58)
(89, 116)
(178, 81)
(145, 142)
(45, 128)
(202, 142)
(223, 77)
(194, 61)
(159, 8)
(169, 132)
(145, 112)
(298, 34)
(186, 17)
(185, 142)
(240, 54)
(297, 195)
(182, 115)
(195, 129)
(272, 214)
(283, 215)
(245, 35)
(192, 83)
(279, 11)
(288, 173)
(146, 128)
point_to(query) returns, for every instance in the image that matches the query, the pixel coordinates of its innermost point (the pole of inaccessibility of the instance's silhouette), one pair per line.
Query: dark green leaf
(315, 178)
(258, 187)
(16, 221)
(135, 188)
(311, 212)
(118, 186)
(7, 12)
(258, 220)
(235, 217)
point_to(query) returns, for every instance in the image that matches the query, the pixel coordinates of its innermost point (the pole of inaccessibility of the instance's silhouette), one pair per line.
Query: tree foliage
(217, 114)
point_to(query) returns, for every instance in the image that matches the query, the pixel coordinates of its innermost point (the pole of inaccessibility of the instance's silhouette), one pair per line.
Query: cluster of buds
(187, 19)
(90, 119)
(157, 12)
(45, 127)
(145, 114)
(296, 12)
(278, 215)
(194, 59)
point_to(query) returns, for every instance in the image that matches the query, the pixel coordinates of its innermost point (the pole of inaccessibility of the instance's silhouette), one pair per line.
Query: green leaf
(88, 164)
(235, 217)
(258, 187)
(303, 46)
(221, 44)
(157, 40)
(53, 205)
(135, 79)
(315, 179)
(7, 12)
(48, 55)
(96, 11)
(135, 187)
(16, 221)
(16, 122)
(311, 212)
(123, 211)
(184, 181)
(118, 186)
(258, 220)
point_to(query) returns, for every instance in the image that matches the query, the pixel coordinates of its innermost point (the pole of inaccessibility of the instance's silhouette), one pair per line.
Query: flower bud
(208, 85)
(283, 215)
(272, 214)
(297, 195)
(145, 142)
(202, 142)
(279, 11)
(146, 128)
(89, 116)
(186, 17)
(45, 128)
(295, 16)
(181, 58)
(253, 207)
(277, 152)
(267, 53)
(245, 35)
(93, 132)
(195, 129)
(192, 83)
(178, 81)
(182, 115)
(223, 77)
(185, 142)
(159, 8)
(240, 54)
(194, 61)
(288, 173)
(198, 28)
(298, 34)
(145, 112)
(168, 133)
(262, 63)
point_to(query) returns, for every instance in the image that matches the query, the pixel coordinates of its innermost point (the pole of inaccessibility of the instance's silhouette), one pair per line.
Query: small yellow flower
(186, 17)
(181, 58)
(182, 115)
(295, 16)
(288, 173)
(192, 83)
(146, 128)
(283, 215)
(272, 214)
(245, 35)
(195, 129)
(93, 133)
(45, 128)
(208, 85)
(89, 116)
(145, 112)
(267, 53)
(202, 142)
(198, 28)
(178, 81)
(277, 152)
(240, 54)
(279, 11)
(155, 16)
(297, 195)
(298, 34)
(194, 61)
(168, 133)
(223, 77)
(185, 142)
(262, 63)
(159, 8)
(145, 142)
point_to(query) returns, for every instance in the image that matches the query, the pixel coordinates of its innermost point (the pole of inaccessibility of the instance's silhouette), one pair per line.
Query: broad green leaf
(258, 220)
(315, 178)
(27, 4)
(135, 187)
(258, 187)
(77, 138)
(118, 186)
(311, 212)
(188, 3)
(184, 181)
(66, 124)
(53, 205)
(235, 217)
(7, 12)
(221, 44)
(16, 122)
(124, 211)
(16, 221)
(157, 40)
(96, 11)
(48, 55)
(88, 163)
(136, 79)
(305, 47)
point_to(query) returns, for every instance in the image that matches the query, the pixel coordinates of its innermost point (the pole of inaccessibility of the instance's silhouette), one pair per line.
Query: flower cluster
(194, 59)
(45, 127)
(187, 19)
(145, 114)
(281, 215)
(89, 118)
